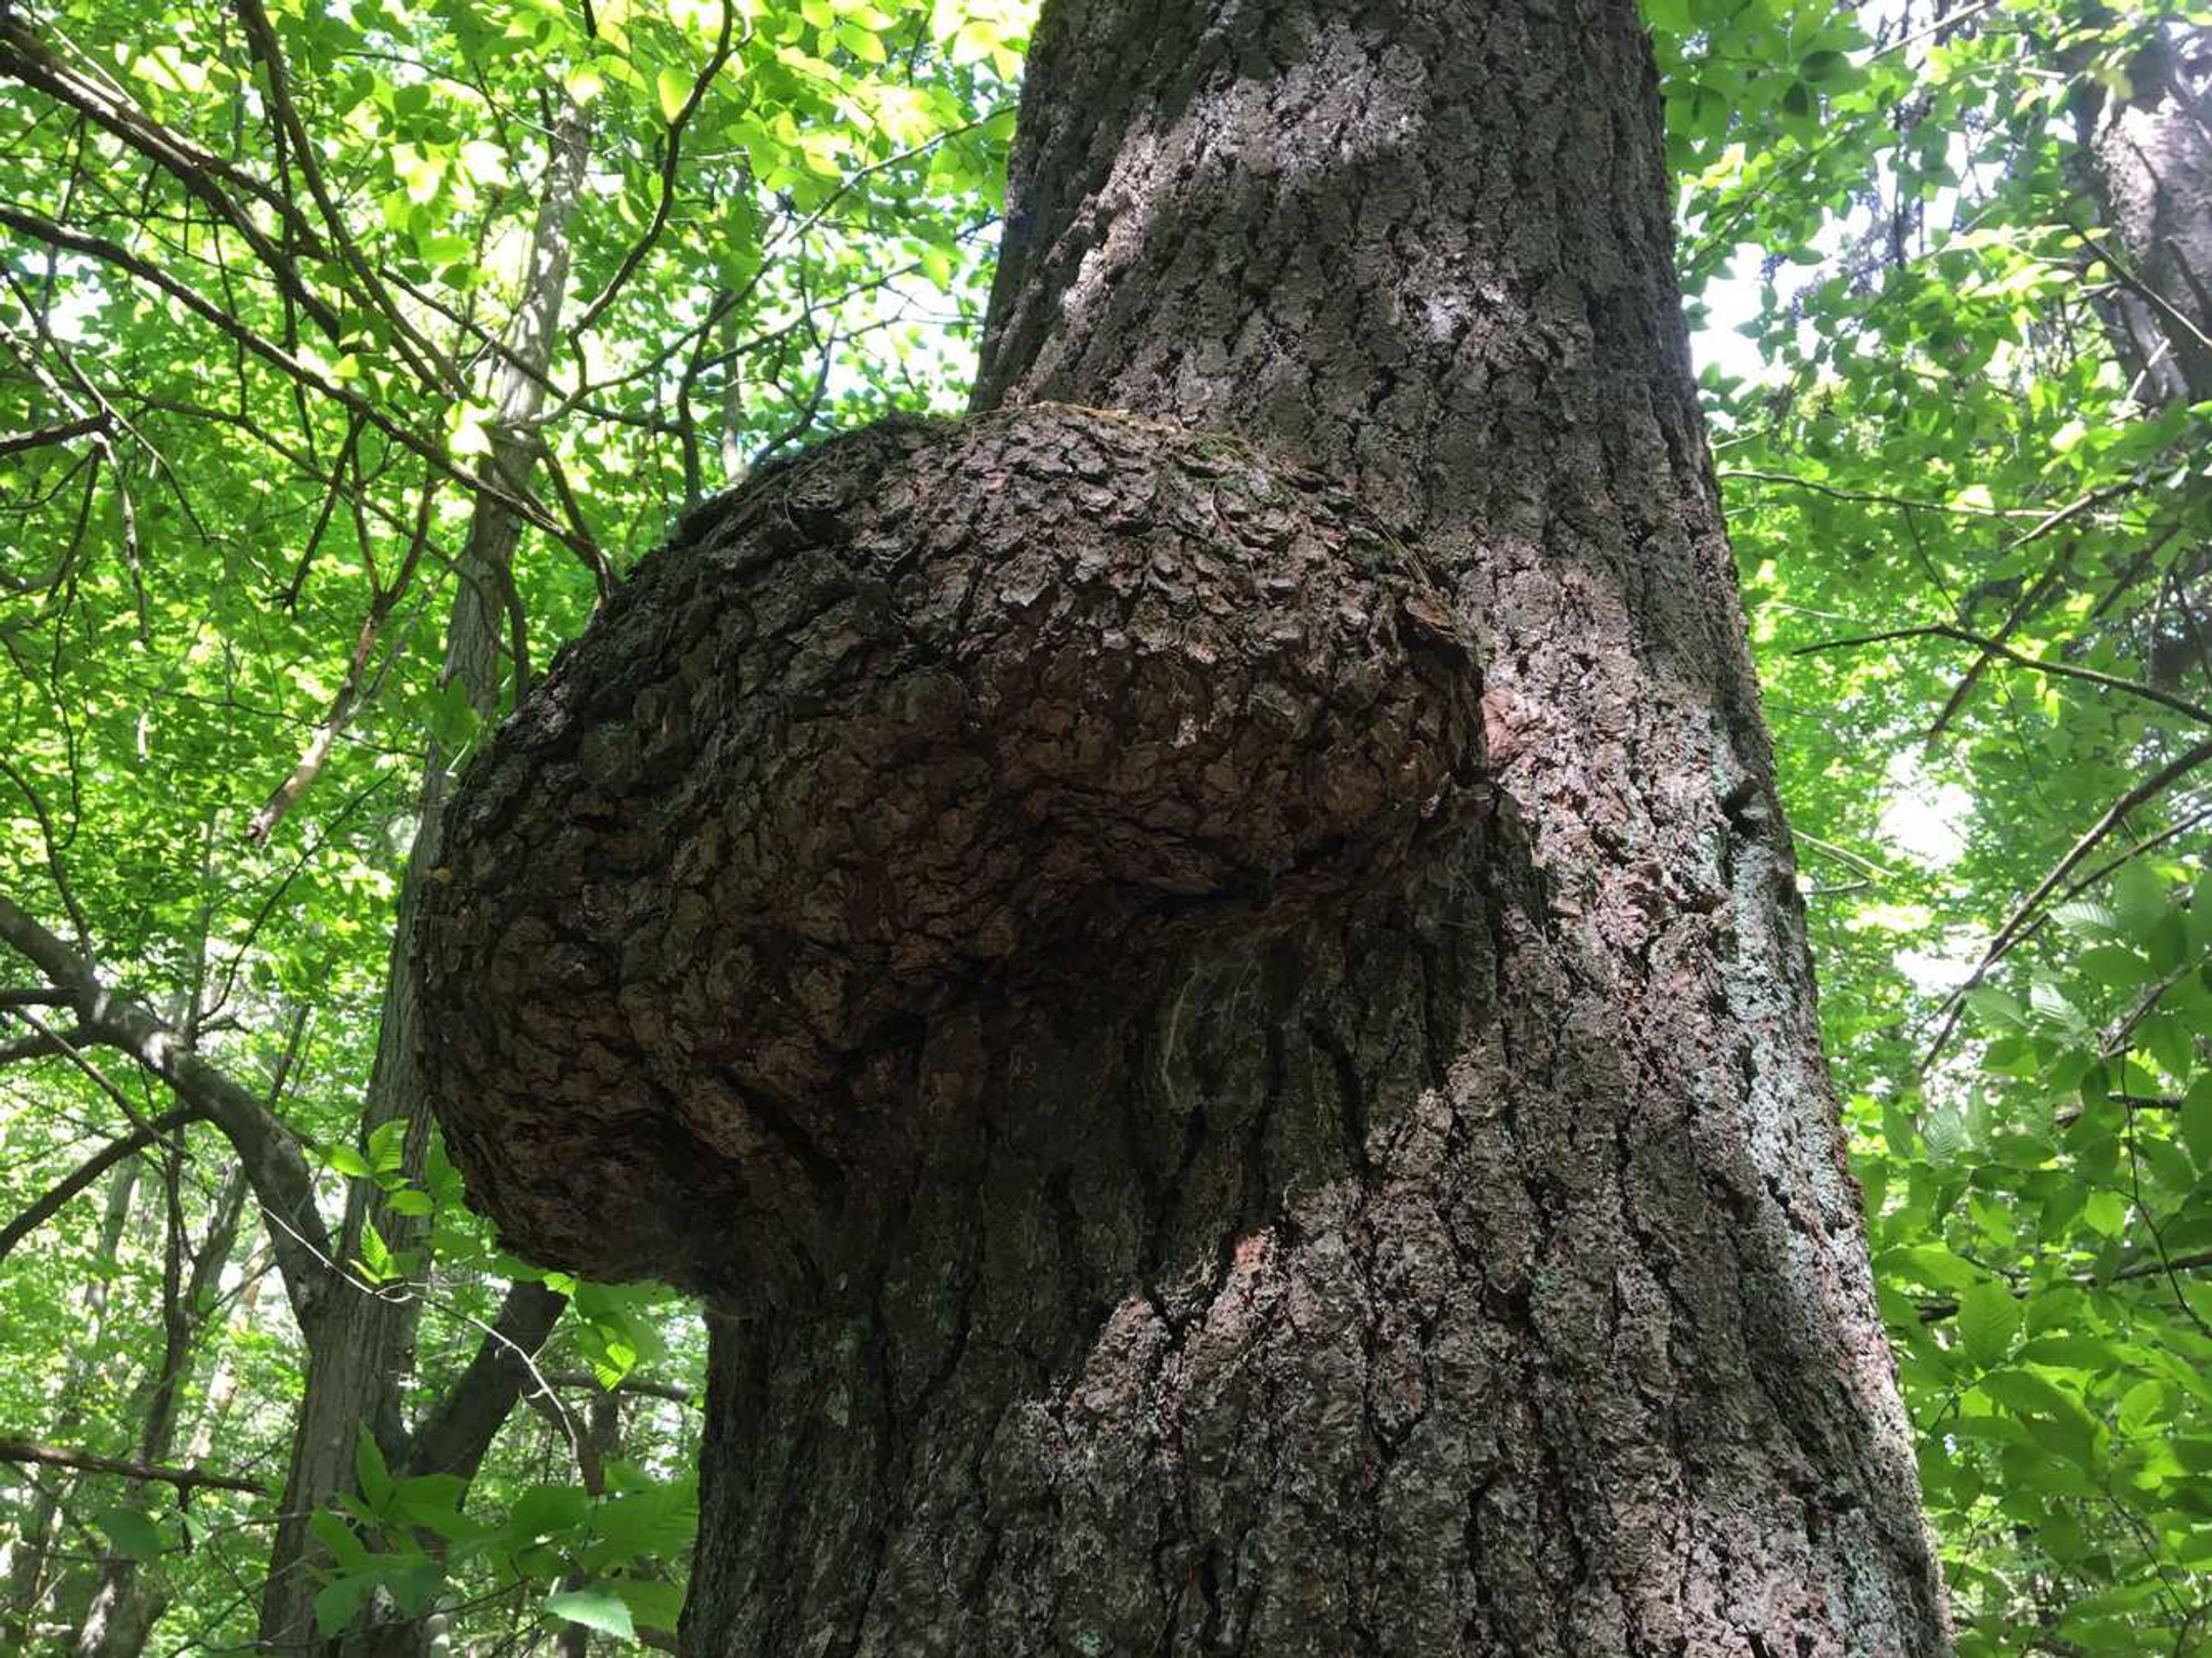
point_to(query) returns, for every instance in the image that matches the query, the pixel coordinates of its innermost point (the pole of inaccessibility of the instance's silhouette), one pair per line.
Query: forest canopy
(350, 354)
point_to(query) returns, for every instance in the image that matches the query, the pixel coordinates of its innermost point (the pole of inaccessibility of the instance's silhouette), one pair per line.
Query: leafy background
(300, 482)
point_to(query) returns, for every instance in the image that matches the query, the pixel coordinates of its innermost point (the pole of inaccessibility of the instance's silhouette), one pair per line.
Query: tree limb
(270, 1153)
(25, 57)
(1997, 648)
(456, 1435)
(185, 1479)
(670, 158)
(14, 443)
(89, 1170)
(96, 247)
(2015, 927)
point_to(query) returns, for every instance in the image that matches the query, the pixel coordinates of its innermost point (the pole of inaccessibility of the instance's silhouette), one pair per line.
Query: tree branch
(644, 1387)
(455, 1437)
(2181, 705)
(185, 1479)
(14, 443)
(72, 242)
(671, 157)
(25, 57)
(2055, 519)
(266, 1147)
(2015, 927)
(89, 1170)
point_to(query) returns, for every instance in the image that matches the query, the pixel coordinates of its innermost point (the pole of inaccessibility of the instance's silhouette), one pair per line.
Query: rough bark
(1041, 688)
(1452, 1253)
(2148, 159)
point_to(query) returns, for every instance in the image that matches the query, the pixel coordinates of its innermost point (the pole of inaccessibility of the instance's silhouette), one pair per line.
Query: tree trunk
(29, 1581)
(2148, 159)
(1476, 1270)
(1180, 1162)
(129, 1602)
(363, 1345)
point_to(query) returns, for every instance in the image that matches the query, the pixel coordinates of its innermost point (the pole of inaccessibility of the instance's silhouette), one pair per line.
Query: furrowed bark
(1433, 1235)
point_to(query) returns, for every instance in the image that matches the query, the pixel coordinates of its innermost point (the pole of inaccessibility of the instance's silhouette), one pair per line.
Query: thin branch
(644, 1387)
(670, 156)
(2015, 927)
(67, 1045)
(185, 1479)
(24, 58)
(458, 1431)
(1744, 474)
(2142, 290)
(15, 443)
(2181, 705)
(264, 1143)
(87, 1172)
(1955, 20)
(55, 869)
(423, 357)
(1936, 1308)
(352, 692)
(2055, 519)
(71, 242)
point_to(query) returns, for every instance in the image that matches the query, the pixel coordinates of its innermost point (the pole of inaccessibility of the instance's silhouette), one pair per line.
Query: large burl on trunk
(1221, 1019)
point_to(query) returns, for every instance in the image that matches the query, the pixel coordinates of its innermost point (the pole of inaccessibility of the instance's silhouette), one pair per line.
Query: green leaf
(1822, 65)
(596, 1606)
(2114, 964)
(546, 1511)
(132, 1532)
(1989, 1319)
(2140, 1407)
(369, 1467)
(387, 1145)
(340, 1600)
(2090, 918)
(339, 1539)
(863, 44)
(1997, 1006)
(2139, 896)
(375, 1263)
(1930, 1264)
(673, 88)
(2198, 924)
(2107, 1212)
(655, 1604)
(2196, 1122)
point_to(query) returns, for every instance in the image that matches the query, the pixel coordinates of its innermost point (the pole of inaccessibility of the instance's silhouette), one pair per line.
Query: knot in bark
(939, 715)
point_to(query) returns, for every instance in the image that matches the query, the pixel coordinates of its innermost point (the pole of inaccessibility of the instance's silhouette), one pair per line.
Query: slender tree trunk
(130, 1602)
(363, 1345)
(1468, 1266)
(29, 1569)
